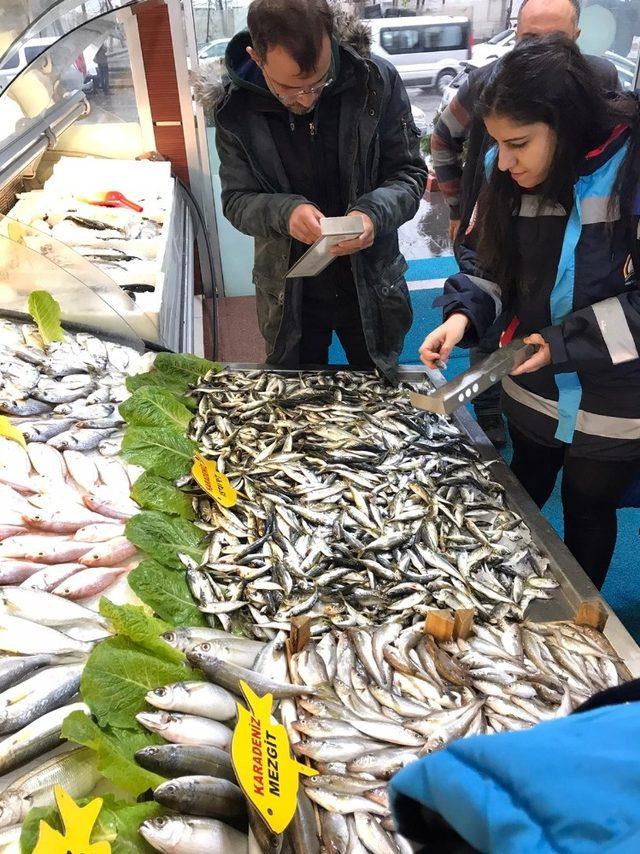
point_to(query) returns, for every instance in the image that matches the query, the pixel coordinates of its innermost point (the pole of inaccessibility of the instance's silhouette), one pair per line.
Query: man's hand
(438, 344)
(454, 225)
(538, 360)
(304, 223)
(348, 247)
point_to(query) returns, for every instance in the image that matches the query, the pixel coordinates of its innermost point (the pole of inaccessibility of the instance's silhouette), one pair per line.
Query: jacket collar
(601, 155)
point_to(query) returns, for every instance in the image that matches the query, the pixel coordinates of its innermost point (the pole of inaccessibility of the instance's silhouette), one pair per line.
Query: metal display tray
(575, 585)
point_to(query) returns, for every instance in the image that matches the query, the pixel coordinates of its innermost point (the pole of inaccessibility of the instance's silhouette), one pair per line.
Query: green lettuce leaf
(167, 592)
(162, 537)
(156, 493)
(115, 749)
(118, 823)
(128, 819)
(46, 313)
(159, 450)
(130, 621)
(155, 407)
(184, 367)
(175, 372)
(117, 676)
(154, 379)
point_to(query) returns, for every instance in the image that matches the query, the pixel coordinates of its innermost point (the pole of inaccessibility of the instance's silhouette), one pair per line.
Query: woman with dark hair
(549, 256)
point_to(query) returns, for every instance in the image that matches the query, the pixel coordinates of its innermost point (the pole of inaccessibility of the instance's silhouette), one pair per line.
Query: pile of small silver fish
(65, 394)
(387, 696)
(355, 507)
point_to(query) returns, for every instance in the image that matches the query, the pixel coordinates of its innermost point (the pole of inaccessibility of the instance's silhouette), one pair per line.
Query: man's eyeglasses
(291, 98)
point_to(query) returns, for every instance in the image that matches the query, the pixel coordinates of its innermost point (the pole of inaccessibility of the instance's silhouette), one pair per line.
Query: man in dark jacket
(308, 127)
(460, 171)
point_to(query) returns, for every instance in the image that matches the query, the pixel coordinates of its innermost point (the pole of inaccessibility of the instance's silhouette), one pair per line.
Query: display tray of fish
(66, 394)
(62, 521)
(388, 696)
(209, 811)
(353, 507)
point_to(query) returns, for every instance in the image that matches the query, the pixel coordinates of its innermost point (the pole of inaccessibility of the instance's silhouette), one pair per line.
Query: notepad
(334, 230)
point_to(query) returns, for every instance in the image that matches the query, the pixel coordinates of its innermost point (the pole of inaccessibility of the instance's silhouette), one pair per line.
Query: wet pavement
(426, 236)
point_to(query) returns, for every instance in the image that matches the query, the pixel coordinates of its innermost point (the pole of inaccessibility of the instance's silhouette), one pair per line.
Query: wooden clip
(592, 614)
(463, 622)
(300, 633)
(439, 624)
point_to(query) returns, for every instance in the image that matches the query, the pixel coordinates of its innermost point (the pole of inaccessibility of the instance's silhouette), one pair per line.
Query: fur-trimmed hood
(210, 84)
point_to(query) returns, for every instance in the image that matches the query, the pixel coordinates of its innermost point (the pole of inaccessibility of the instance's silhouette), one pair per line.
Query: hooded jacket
(575, 290)
(382, 175)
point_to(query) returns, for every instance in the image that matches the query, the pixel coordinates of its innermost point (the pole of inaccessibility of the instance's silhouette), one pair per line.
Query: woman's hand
(438, 344)
(538, 360)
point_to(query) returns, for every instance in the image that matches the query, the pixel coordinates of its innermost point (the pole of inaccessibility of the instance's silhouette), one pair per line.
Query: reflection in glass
(31, 259)
(93, 60)
(29, 27)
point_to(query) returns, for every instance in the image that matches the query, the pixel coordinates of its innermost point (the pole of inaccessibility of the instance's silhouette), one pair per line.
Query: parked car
(426, 50)
(497, 46)
(458, 80)
(213, 52)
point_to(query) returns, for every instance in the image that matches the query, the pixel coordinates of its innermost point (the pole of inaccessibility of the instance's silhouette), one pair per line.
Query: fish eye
(160, 692)
(205, 646)
(161, 821)
(169, 636)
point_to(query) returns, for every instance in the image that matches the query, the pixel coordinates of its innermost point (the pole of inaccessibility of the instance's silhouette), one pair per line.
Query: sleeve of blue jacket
(603, 334)
(472, 293)
(568, 785)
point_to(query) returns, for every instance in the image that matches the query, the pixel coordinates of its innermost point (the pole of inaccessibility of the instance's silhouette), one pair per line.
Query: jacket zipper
(406, 135)
(312, 131)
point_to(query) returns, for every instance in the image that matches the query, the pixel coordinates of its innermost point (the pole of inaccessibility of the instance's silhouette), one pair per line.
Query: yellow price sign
(10, 432)
(78, 823)
(266, 771)
(214, 482)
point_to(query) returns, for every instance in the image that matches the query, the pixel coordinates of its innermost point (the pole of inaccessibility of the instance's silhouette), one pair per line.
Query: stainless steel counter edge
(575, 586)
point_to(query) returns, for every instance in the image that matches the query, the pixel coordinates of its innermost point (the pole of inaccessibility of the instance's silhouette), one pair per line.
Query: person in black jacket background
(547, 255)
(307, 126)
(460, 141)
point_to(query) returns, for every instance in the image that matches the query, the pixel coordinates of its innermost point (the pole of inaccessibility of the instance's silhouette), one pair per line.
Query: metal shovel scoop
(468, 385)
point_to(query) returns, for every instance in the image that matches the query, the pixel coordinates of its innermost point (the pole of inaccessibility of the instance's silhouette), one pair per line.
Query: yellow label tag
(213, 481)
(263, 763)
(10, 432)
(78, 823)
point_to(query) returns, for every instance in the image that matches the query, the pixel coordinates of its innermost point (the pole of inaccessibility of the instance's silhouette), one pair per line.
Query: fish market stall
(180, 539)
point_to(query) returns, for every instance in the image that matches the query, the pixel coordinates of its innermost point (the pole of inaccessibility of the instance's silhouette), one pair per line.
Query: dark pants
(591, 493)
(488, 404)
(323, 313)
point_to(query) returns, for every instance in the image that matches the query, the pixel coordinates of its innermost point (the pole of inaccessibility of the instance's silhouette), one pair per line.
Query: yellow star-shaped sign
(78, 823)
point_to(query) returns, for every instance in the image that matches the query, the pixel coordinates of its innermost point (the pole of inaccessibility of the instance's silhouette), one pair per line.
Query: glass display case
(76, 186)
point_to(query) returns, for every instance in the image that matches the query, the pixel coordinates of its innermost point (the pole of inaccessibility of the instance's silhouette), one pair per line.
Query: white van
(426, 50)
